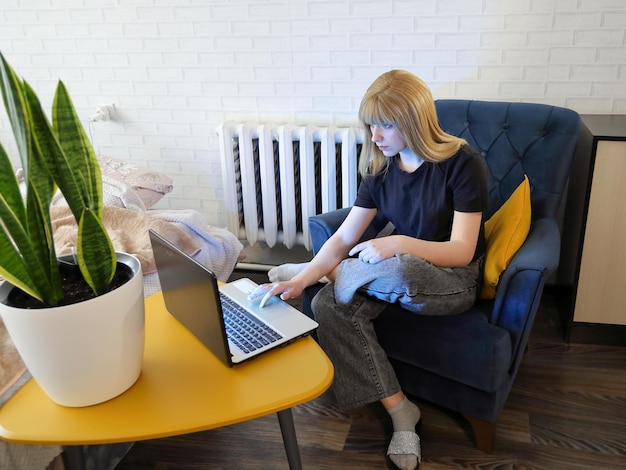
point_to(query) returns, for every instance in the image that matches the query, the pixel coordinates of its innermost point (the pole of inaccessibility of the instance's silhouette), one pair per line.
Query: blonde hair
(400, 98)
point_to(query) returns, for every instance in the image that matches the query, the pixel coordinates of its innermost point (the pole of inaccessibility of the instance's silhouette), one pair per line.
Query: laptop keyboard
(243, 330)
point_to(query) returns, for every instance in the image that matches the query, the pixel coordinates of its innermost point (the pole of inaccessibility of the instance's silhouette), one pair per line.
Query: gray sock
(285, 272)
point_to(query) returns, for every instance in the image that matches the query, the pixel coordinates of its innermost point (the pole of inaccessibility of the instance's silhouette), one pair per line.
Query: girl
(433, 188)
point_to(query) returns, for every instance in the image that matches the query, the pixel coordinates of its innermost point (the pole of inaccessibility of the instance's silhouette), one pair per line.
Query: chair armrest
(521, 286)
(322, 226)
(540, 254)
(541, 249)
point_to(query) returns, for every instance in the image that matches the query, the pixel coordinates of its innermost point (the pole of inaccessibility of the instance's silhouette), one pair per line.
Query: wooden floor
(567, 410)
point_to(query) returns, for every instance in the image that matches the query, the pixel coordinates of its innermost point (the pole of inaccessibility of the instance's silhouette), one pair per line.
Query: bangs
(375, 110)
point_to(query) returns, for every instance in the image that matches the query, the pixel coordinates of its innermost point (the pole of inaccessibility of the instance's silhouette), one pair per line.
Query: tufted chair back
(516, 139)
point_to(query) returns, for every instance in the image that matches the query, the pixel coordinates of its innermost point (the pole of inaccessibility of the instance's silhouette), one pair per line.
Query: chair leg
(484, 433)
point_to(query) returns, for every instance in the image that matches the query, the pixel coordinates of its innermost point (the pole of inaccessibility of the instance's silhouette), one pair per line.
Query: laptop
(220, 316)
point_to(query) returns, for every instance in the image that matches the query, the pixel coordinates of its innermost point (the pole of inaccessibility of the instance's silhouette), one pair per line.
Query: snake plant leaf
(20, 261)
(96, 254)
(25, 255)
(13, 267)
(15, 107)
(97, 266)
(50, 154)
(80, 156)
(40, 256)
(40, 188)
(10, 193)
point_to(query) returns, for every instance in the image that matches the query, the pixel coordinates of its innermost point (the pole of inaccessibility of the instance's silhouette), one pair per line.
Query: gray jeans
(346, 332)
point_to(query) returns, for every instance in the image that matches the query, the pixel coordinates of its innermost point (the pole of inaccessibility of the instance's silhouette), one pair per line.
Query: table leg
(74, 457)
(288, 430)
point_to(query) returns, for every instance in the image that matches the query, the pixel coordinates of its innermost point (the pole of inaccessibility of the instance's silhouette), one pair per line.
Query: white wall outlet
(104, 112)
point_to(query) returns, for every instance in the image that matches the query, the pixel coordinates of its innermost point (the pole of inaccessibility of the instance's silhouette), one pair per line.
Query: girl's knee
(323, 302)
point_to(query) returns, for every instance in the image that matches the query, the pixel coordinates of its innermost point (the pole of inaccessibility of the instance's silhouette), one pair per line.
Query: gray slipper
(405, 443)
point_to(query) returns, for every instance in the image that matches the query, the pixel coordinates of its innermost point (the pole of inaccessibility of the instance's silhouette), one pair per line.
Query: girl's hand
(264, 292)
(378, 249)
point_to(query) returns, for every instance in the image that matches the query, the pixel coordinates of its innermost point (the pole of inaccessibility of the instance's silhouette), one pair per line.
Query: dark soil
(74, 287)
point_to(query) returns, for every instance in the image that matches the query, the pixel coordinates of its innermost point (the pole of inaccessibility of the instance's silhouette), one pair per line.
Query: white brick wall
(175, 69)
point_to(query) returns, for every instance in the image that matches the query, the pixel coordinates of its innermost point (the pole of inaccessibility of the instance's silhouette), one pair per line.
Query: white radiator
(277, 176)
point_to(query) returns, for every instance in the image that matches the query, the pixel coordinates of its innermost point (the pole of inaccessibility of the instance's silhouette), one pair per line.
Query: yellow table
(182, 389)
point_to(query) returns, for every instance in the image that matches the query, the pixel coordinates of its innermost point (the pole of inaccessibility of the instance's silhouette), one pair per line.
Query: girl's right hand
(286, 289)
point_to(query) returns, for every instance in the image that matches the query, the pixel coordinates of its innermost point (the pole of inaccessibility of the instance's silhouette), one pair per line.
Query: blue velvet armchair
(468, 362)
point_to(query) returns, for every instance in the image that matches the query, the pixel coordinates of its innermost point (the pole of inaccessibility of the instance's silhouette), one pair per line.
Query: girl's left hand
(376, 250)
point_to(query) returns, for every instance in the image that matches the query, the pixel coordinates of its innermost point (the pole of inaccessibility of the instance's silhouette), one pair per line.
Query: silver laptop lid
(191, 296)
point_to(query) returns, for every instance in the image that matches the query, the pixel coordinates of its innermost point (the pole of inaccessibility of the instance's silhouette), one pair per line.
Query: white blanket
(220, 249)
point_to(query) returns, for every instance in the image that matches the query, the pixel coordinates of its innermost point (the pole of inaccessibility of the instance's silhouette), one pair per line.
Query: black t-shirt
(422, 204)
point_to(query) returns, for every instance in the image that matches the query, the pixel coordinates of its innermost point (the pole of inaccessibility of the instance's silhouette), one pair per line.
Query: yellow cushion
(505, 232)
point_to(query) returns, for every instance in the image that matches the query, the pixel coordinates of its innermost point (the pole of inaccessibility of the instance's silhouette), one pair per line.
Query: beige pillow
(149, 185)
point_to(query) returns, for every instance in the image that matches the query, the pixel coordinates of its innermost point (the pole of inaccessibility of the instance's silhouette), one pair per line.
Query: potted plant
(77, 354)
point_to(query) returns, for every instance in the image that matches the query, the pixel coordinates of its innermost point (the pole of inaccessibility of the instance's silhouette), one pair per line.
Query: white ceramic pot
(84, 353)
